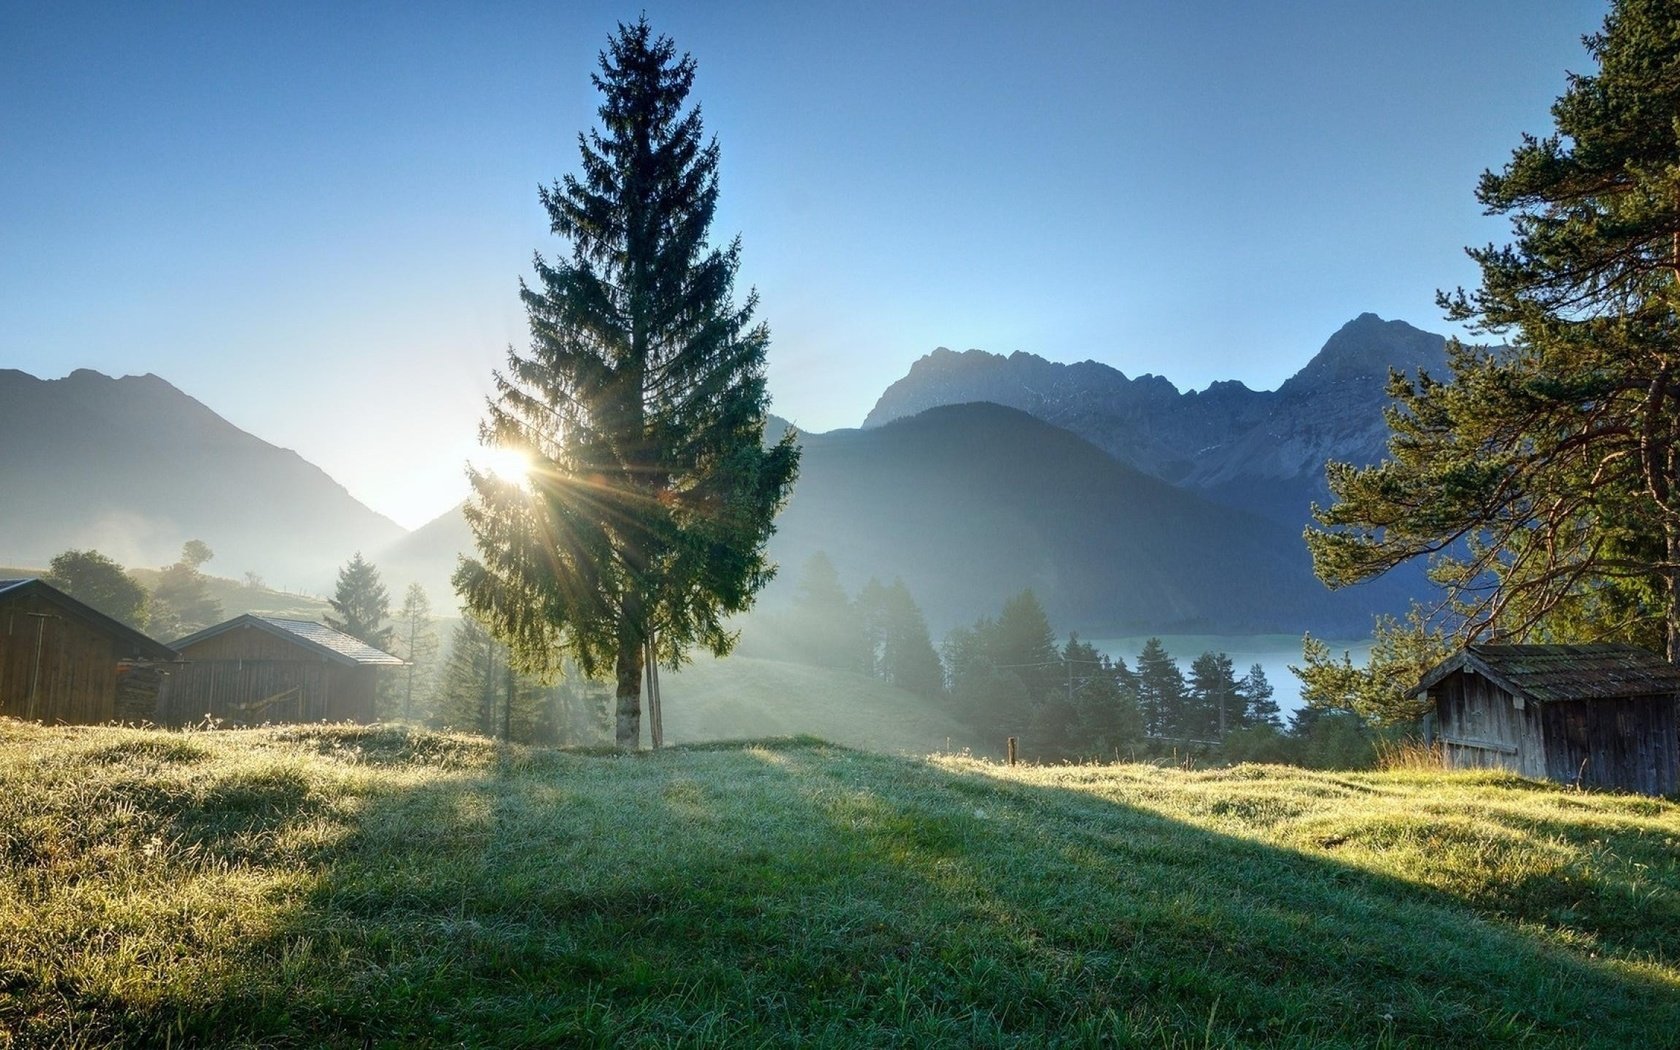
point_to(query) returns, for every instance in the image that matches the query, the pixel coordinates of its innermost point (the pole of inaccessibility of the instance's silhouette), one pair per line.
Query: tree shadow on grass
(799, 894)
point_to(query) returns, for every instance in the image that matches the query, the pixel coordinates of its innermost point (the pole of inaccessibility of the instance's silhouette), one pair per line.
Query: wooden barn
(256, 669)
(1596, 715)
(64, 662)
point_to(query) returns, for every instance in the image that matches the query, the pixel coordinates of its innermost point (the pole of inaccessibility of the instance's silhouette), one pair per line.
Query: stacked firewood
(137, 691)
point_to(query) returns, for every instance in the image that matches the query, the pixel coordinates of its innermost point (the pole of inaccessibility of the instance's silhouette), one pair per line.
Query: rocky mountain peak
(1363, 350)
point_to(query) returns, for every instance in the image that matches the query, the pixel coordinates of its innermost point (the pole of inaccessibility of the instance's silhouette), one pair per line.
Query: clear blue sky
(313, 217)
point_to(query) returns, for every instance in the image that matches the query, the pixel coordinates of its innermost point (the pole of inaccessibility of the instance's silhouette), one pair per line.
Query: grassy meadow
(746, 696)
(347, 886)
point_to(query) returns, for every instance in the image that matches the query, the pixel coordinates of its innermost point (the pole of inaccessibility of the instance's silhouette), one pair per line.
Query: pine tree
(994, 705)
(825, 626)
(1160, 691)
(1214, 704)
(1260, 708)
(468, 685)
(415, 637)
(1544, 478)
(908, 659)
(641, 405)
(362, 604)
(1103, 694)
(872, 623)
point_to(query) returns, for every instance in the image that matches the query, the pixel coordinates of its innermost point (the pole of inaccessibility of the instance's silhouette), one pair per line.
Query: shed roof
(316, 637)
(133, 642)
(1563, 672)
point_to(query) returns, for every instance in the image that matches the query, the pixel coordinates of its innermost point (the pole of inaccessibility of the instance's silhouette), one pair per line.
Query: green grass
(743, 696)
(347, 886)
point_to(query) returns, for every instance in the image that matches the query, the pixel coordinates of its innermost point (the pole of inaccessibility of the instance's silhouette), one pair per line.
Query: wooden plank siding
(55, 668)
(1481, 727)
(1628, 743)
(247, 676)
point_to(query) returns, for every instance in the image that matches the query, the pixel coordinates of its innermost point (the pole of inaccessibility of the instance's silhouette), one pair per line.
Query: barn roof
(318, 638)
(134, 642)
(1563, 672)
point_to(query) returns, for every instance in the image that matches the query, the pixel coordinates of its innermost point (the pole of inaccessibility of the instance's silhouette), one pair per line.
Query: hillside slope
(367, 887)
(134, 467)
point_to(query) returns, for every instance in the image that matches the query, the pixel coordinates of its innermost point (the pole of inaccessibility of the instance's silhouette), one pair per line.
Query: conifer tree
(479, 692)
(468, 685)
(362, 604)
(1261, 709)
(1160, 690)
(908, 659)
(1215, 704)
(1104, 697)
(825, 626)
(415, 637)
(1544, 478)
(641, 405)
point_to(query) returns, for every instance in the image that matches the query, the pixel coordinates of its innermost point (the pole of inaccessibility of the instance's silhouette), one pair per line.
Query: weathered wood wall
(247, 676)
(74, 678)
(1481, 726)
(1627, 743)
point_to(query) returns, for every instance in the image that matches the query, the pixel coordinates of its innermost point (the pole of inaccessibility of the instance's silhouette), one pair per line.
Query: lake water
(1273, 652)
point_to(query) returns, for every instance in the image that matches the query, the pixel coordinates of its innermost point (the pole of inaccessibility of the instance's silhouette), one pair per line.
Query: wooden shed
(255, 669)
(65, 662)
(1596, 715)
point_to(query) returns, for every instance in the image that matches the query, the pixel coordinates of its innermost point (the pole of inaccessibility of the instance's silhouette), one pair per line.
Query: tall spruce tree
(908, 659)
(1544, 478)
(1160, 691)
(362, 604)
(641, 405)
(1258, 703)
(1214, 703)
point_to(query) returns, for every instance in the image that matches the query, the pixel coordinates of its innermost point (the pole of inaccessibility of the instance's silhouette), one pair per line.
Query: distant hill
(134, 467)
(1262, 451)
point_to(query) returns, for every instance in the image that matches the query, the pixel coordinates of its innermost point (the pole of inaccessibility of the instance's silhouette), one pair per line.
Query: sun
(509, 464)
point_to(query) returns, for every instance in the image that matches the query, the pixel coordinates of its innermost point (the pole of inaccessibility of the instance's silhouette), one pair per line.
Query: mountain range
(133, 467)
(1260, 450)
(1126, 504)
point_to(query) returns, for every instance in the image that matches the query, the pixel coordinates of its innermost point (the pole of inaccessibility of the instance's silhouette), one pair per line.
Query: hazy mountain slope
(427, 556)
(134, 467)
(971, 503)
(1258, 450)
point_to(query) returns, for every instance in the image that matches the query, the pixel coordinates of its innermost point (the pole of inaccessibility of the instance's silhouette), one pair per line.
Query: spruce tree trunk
(629, 691)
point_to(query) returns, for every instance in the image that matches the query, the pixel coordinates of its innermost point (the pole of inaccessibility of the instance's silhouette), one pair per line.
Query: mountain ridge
(134, 467)
(1263, 450)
